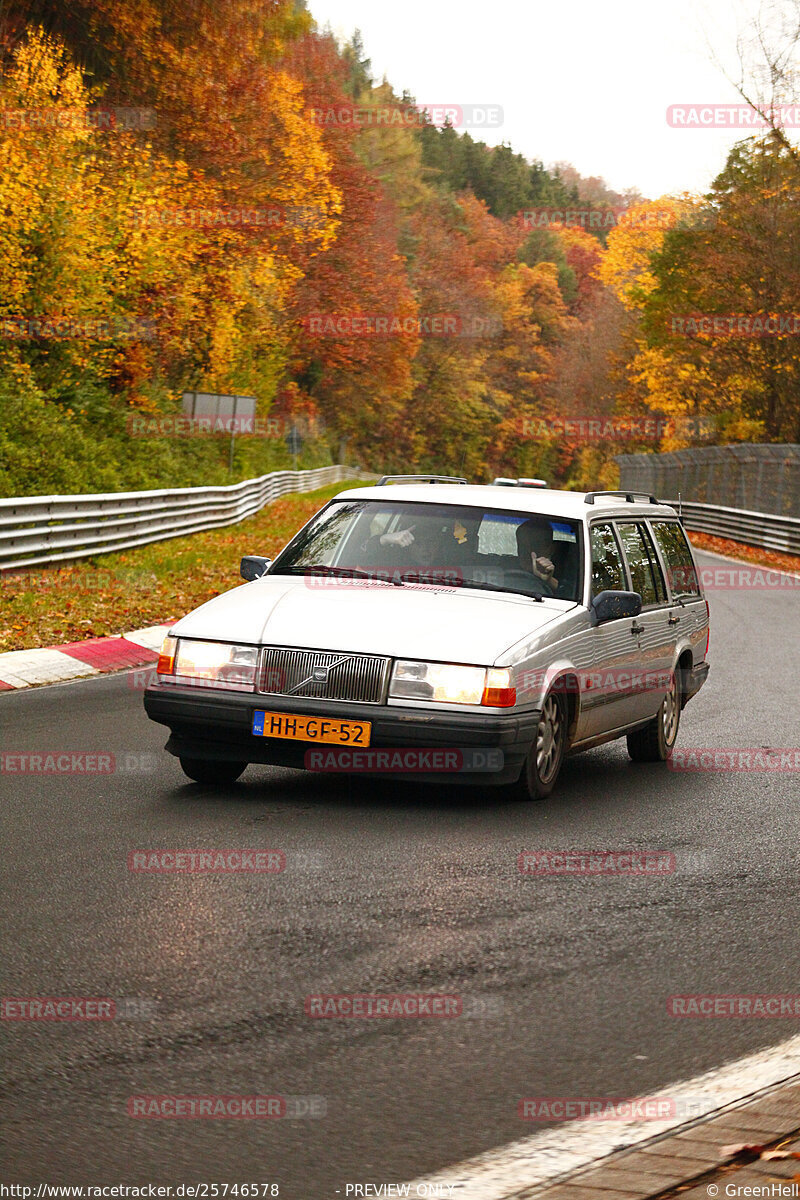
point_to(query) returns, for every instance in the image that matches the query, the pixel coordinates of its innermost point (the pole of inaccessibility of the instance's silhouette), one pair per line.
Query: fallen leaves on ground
(777, 560)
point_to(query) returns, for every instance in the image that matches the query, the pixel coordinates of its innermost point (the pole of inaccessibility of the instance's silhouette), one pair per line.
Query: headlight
(219, 663)
(451, 683)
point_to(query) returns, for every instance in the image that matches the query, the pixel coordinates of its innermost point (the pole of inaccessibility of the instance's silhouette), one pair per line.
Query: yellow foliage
(624, 267)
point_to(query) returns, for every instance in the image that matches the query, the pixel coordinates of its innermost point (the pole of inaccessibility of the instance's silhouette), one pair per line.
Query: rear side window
(678, 557)
(646, 575)
(608, 573)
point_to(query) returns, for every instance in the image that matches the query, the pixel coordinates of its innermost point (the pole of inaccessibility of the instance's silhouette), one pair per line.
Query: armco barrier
(35, 530)
(38, 530)
(751, 528)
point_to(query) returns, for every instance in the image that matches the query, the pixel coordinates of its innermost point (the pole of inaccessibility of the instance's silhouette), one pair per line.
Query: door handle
(637, 628)
(673, 620)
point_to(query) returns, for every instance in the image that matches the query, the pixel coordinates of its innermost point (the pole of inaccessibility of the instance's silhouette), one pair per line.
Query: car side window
(678, 557)
(646, 575)
(608, 573)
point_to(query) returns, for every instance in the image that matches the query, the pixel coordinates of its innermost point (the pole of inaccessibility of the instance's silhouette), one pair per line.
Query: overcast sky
(579, 81)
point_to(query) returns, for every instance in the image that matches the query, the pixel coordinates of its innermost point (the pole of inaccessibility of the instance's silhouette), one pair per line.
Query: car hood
(415, 621)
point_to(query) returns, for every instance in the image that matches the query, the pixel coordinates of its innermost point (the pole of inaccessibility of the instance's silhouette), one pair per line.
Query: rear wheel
(209, 770)
(541, 768)
(654, 742)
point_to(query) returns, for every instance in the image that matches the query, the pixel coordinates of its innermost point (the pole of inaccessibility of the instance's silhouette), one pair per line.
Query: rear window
(674, 547)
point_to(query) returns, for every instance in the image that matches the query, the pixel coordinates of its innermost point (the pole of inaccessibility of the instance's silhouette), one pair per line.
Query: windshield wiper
(493, 587)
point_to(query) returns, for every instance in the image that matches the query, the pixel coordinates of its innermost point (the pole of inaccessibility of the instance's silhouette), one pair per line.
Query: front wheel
(654, 742)
(209, 770)
(541, 768)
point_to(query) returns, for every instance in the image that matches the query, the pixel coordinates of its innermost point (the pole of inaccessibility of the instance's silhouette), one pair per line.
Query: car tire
(653, 742)
(209, 770)
(541, 767)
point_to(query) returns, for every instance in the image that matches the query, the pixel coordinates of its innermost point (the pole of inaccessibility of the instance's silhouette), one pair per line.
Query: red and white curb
(80, 660)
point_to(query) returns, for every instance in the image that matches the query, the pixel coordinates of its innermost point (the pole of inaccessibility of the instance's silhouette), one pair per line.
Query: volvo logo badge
(320, 675)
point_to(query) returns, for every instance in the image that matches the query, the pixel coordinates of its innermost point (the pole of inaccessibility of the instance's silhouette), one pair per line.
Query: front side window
(678, 557)
(646, 576)
(531, 554)
(608, 573)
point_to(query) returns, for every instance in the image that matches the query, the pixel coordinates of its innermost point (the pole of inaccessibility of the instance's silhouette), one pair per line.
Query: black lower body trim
(693, 680)
(218, 726)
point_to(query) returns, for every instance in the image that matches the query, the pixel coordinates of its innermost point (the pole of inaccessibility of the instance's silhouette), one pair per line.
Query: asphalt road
(388, 888)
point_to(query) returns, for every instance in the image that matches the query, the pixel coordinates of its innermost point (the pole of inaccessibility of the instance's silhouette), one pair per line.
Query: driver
(417, 545)
(535, 550)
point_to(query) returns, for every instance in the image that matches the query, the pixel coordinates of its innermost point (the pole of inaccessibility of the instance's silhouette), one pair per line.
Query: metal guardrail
(752, 528)
(40, 530)
(37, 530)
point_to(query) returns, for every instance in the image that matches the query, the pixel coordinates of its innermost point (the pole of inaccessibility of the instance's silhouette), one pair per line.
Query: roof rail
(631, 497)
(418, 479)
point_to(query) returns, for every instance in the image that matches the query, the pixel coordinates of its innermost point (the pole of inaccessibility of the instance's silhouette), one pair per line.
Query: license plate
(311, 729)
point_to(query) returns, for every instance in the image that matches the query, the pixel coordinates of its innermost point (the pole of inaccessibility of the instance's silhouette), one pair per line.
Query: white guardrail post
(39, 530)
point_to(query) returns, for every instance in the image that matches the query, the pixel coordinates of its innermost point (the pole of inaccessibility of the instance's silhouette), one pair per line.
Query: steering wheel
(528, 578)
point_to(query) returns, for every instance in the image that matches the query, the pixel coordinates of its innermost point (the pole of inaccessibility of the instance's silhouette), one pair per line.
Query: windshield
(405, 542)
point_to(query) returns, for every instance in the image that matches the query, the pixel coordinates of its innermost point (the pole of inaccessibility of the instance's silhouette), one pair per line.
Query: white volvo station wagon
(446, 631)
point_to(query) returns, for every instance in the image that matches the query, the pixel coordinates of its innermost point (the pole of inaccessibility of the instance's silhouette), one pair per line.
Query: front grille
(357, 677)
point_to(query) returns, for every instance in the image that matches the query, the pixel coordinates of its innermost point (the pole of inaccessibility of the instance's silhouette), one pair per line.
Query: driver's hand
(403, 538)
(544, 568)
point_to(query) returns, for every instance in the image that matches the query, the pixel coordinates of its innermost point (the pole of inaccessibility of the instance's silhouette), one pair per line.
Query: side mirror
(253, 566)
(610, 606)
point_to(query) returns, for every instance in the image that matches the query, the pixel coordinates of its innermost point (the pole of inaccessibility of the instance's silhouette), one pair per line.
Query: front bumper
(217, 725)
